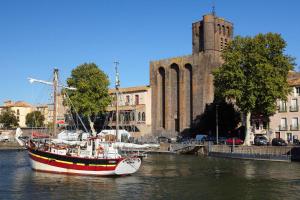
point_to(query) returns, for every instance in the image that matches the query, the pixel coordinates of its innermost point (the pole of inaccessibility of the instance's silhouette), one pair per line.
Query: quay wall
(276, 153)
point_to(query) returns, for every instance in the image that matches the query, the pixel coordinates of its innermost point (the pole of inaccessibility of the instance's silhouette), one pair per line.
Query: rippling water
(160, 177)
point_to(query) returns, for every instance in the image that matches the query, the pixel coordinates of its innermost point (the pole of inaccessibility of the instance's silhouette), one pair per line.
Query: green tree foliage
(8, 118)
(254, 73)
(35, 119)
(228, 119)
(91, 97)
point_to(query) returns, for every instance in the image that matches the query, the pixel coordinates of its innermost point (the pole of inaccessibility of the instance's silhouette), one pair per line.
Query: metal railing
(283, 128)
(282, 109)
(253, 152)
(294, 128)
(294, 108)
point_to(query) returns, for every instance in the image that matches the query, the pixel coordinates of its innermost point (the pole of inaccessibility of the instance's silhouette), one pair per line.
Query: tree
(91, 97)
(228, 119)
(35, 119)
(254, 75)
(8, 118)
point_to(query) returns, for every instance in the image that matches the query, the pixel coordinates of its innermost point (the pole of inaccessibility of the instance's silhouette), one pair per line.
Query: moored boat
(75, 159)
(87, 155)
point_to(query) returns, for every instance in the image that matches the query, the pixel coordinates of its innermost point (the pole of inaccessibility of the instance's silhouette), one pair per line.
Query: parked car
(278, 142)
(260, 140)
(200, 138)
(237, 141)
(296, 141)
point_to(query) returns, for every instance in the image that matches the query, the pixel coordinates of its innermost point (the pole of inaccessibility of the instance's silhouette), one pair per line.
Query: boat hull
(48, 162)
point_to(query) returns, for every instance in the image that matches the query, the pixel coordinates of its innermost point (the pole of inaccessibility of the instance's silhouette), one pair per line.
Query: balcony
(283, 128)
(294, 108)
(294, 128)
(282, 109)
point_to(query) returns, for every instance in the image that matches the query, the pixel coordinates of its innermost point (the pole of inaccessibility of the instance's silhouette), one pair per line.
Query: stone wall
(182, 86)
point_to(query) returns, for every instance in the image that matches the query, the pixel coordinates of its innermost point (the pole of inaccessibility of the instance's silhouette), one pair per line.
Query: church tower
(211, 34)
(183, 86)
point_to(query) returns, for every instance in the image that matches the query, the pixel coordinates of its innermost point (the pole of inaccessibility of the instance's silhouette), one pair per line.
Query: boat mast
(117, 85)
(55, 86)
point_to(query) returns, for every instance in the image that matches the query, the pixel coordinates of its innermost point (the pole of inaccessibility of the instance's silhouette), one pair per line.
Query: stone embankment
(10, 146)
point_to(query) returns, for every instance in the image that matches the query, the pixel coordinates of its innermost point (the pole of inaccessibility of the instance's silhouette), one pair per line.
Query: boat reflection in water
(160, 177)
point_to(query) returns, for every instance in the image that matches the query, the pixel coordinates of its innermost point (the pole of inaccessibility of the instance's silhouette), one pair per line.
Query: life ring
(100, 150)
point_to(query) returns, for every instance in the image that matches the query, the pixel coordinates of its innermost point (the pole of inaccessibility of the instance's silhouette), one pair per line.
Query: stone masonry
(182, 86)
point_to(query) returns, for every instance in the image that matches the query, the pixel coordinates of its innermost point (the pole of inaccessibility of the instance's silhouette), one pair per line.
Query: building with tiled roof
(20, 108)
(285, 122)
(134, 111)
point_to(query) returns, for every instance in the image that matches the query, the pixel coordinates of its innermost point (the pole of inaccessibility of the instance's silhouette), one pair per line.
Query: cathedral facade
(182, 86)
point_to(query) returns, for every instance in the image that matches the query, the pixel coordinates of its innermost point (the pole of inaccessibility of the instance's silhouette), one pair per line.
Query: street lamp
(217, 125)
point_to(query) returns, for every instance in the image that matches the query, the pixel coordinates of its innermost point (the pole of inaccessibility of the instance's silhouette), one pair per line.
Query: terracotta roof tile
(130, 89)
(294, 78)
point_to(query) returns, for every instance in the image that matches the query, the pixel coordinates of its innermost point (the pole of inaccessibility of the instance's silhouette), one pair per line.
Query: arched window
(143, 116)
(228, 31)
(189, 93)
(139, 116)
(132, 116)
(219, 28)
(162, 99)
(126, 116)
(175, 94)
(223, 27)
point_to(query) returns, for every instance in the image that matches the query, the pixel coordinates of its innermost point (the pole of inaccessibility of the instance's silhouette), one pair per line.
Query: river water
(160, 177)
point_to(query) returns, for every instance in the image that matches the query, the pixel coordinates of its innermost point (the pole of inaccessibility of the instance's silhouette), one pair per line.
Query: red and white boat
(71, 159)
(82, 156)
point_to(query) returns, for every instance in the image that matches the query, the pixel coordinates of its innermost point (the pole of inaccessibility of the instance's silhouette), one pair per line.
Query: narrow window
(283, 124)
(127, 100)
(219, 27)
(224, 32)
(228, 31)
(282, 106)
(143, 116)
(298, 91)
(139, 116)
(294, 125)
(294, 105)
(137, 100)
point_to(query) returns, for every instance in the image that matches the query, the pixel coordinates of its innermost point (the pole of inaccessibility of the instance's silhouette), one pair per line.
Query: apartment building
(134, 111)
(285, 123)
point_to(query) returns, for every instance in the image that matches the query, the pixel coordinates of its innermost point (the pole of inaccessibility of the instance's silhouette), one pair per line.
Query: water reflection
(160, 177)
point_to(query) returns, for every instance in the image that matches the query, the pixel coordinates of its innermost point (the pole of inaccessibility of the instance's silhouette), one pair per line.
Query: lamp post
(217, 124)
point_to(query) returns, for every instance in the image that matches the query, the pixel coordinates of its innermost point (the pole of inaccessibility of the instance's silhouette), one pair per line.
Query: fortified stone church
(182, 86)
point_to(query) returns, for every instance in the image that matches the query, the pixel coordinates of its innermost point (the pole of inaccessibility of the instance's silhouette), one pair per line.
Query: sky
(37, 36)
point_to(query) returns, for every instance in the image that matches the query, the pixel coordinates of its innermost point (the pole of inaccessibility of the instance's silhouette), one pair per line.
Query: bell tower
(211, 34)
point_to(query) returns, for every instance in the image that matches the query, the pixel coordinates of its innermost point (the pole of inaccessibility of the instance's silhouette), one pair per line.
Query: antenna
(213, 8)
(117, 84)
(117, 99)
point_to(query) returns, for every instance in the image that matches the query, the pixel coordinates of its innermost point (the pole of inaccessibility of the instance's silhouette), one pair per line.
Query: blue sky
(38, 35)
